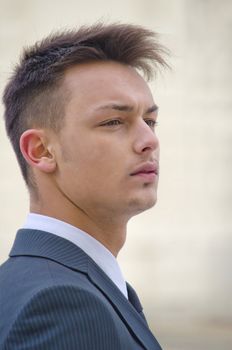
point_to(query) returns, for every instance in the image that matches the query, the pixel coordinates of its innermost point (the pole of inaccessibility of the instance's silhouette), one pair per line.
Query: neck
(104, 227)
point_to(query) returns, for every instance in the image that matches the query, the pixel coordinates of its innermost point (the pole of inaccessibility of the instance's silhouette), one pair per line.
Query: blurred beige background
(179, 254)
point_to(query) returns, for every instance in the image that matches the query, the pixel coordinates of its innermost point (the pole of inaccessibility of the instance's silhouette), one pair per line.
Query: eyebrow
(127, 108)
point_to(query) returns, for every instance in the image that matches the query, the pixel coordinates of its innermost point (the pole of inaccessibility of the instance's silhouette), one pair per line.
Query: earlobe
(36, 152)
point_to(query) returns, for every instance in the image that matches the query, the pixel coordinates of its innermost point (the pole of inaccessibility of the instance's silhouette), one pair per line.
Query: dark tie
(134, 300)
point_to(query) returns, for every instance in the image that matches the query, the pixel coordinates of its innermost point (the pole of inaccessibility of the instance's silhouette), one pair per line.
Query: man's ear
(36, 150)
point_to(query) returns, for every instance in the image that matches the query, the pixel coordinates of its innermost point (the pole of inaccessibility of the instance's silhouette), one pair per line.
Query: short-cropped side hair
(33, 96)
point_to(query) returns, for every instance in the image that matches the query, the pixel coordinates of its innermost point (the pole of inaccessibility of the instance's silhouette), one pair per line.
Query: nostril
(146, 149)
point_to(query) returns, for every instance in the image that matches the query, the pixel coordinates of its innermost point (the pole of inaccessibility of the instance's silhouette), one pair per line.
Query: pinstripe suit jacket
(54, 296)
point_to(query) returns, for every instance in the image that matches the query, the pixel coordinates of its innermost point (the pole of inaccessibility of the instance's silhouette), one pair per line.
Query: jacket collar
(49, 246)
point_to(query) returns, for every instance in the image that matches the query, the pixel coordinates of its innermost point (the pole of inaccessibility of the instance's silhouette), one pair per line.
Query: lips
(146, 169)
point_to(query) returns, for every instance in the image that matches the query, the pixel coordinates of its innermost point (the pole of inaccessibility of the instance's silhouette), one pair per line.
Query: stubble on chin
(139, 205)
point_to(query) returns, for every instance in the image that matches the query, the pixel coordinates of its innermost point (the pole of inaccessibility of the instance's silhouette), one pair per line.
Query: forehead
(106, 81)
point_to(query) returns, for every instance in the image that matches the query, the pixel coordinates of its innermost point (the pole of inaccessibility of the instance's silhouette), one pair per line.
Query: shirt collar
(97, 251)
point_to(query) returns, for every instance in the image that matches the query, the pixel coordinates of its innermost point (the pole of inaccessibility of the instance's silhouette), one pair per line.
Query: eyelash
(150, 122)
(112, 122)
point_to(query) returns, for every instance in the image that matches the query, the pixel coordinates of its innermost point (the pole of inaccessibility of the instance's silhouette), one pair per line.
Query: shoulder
(23, 279)
(65, 317)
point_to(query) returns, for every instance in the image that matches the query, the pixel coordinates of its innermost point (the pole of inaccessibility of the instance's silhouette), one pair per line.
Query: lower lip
(148, 177)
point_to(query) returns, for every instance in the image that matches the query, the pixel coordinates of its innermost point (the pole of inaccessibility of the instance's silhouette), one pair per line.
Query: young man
(82, 122)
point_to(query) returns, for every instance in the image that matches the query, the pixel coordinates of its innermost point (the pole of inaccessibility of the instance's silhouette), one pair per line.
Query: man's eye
(151, 122)
(112, 122)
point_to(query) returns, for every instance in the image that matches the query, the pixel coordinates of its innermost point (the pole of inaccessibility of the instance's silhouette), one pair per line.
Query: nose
(146, 140)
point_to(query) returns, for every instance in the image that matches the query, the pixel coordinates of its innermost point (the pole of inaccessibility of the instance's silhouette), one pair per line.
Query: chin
(138, 205)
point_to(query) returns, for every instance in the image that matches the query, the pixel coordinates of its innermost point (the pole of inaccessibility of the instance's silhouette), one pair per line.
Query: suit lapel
(50, 246)
(47, 245)
(135, 322)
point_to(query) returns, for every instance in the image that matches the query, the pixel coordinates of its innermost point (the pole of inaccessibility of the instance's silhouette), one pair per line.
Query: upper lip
(149, 167)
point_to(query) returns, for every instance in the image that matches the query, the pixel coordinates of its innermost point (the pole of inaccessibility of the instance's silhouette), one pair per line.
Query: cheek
(100, 171)
(97, 159)
(100, 155)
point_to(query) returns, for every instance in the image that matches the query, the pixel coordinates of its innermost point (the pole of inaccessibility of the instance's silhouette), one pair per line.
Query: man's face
(107, 152)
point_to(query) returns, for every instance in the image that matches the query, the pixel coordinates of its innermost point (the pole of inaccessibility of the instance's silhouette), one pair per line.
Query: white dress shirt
(93, 248)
